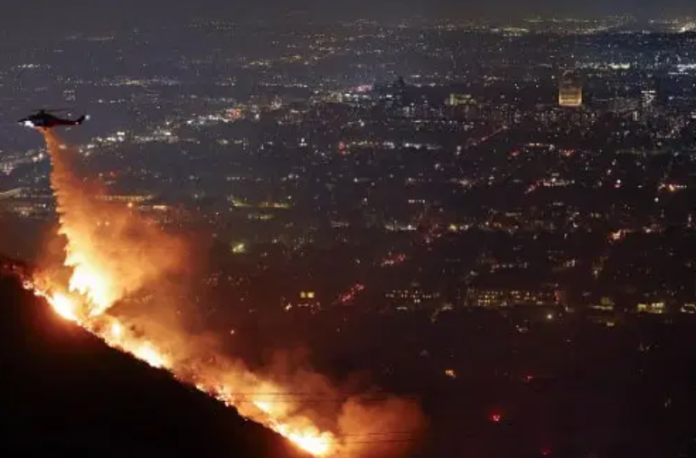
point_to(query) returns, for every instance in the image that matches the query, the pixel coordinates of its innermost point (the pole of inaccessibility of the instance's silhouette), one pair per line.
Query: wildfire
(87, 281)
(309, 438)
(107, 262)
(63, 306)
(318, 444)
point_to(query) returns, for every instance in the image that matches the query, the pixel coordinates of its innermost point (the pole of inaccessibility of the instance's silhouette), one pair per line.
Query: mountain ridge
(64, 390)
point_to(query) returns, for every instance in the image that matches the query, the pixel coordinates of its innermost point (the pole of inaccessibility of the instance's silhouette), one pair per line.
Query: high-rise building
(647, 103)
(648, 97)
(569, 91)
(455, 100)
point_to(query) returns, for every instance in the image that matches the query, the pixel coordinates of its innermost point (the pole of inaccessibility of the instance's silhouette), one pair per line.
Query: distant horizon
(302, 18)
(42, 14)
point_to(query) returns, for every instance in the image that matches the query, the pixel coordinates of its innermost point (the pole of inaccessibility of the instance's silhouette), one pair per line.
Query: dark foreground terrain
(65, 393)
(563, 389)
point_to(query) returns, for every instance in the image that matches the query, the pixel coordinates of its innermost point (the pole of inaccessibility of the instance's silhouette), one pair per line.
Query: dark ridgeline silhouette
(691, 450)
(65, 392)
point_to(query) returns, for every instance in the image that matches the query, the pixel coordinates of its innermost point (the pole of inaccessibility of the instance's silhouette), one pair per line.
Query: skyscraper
(570, 91)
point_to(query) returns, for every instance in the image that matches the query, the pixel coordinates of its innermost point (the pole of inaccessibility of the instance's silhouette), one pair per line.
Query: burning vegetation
(111, 254)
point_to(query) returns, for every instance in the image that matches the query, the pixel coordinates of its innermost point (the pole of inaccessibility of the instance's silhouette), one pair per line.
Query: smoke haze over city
(366, 229)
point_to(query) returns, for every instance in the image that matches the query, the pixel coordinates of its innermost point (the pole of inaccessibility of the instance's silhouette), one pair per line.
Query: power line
(382, 441)
(302, 401)
(360, 442)
(379, 433)
(306, 393)
(279, 398)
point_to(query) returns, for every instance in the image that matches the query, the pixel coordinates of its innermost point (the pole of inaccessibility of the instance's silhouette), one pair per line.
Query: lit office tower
(569, 91)
(647, 104)
(648, 97)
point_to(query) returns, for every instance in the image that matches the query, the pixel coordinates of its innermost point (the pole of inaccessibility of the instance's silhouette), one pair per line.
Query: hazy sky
(76, 13)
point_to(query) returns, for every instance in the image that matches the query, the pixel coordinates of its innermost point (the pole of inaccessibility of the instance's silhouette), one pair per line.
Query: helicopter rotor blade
(52, 110)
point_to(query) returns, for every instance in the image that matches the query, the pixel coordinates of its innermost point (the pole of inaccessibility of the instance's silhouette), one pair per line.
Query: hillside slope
(63, 390)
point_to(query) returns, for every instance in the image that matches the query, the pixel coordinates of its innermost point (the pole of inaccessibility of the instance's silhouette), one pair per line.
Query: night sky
(105, 13)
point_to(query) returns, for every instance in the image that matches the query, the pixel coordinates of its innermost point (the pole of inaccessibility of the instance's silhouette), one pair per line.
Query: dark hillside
(64, 392)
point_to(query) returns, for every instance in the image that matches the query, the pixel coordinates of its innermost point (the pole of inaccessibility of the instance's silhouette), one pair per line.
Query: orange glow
(116, 330)
(111, 251)
(311, 440)
(308, 438)
(150, 355)
(263, 405)
(63, 306)
(87, 281)
(110, 254)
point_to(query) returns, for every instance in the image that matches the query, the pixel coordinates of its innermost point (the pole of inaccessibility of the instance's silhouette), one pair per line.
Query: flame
(116, 330)
(63, 306)
(263, 405)
(111, 252)
(87, 281)
(309, 439)
(150, 355)
(119, 254)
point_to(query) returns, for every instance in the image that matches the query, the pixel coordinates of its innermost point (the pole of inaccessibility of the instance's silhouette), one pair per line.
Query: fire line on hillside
(111, 253)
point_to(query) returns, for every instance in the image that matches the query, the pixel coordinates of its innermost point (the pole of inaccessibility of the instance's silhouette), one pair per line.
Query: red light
(496, 418)
(545, 451)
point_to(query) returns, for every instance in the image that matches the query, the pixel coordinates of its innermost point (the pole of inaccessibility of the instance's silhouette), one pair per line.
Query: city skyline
(86, 15)
(420, 238)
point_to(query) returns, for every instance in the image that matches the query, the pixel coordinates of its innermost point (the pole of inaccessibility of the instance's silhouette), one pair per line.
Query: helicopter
(46, 119)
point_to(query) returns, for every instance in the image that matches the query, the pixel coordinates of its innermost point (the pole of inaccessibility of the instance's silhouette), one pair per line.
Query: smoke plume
(112, 251)
(112, 254)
